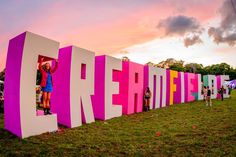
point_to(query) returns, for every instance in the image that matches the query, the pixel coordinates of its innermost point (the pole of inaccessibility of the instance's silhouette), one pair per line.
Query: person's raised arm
(40, 64)
(56, 66)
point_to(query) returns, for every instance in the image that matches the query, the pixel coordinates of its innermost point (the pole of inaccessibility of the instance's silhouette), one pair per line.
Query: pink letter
(189, 86)
(73, 87)
(105, 88)
(131, 87)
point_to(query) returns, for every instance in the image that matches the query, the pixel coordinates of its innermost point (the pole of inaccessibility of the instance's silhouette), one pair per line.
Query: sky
(200, 31)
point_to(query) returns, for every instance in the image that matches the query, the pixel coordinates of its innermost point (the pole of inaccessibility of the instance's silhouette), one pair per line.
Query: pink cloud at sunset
(110, 27)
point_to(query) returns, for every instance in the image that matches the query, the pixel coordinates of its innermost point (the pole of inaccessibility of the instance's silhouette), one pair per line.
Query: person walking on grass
(46, 83)
(147, 97)
(222, 93)
(208, 100)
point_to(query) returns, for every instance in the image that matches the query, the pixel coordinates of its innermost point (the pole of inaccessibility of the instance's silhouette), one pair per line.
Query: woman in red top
(46, 84)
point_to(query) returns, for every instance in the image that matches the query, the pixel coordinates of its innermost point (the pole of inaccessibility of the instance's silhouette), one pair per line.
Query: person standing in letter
(147, 97)
(208, 97)
(222, 93)
(46, 84)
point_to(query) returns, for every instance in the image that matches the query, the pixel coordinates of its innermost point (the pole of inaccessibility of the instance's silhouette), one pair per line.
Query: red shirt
(45, 74)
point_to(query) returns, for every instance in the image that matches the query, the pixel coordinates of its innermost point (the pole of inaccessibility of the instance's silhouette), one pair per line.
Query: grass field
(190, 129)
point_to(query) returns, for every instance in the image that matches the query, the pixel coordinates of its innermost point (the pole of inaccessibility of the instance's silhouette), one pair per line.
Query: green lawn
(135, 135)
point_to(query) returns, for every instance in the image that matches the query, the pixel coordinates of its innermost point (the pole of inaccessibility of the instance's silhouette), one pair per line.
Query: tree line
(215, 69)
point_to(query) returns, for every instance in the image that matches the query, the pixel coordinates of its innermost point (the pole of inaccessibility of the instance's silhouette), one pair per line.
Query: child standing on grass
(208, 100)
(46, 84)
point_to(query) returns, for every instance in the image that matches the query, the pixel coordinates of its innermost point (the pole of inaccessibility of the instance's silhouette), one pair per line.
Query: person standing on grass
(222, 93)
(46, 84)
(208, 100)
(147, 97)
(204, 93)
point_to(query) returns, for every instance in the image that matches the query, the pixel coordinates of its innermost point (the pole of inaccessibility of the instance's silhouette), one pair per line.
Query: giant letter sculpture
(131, 87)
(20, 109)
(210, 80)
(178, 92)
(161, 87)
(189, 86)
(220, 82)
(155, 79)
(200, 87)
(103, 103)
(173, 84)
(74, 85)
(182, 87)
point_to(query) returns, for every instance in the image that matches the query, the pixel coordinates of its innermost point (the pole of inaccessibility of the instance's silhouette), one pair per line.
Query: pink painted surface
(218, 80)
(177, 94)
(176, 82)
(194, 81)
(189, 86)
(60, 99)
(167, 87)
(131, 83)
(12, 85)
(99, 90)
(39, 113)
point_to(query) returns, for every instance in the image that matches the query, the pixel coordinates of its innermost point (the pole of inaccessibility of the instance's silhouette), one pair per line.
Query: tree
(178, 67)
(194, 68)
(150, 63)
(170, 62)
(38, 77)
(232, 73)
(2, 75)
(215, 69)
(125, 58)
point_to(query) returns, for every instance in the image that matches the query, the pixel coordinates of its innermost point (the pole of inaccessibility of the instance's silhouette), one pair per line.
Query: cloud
(188, 27)
(226, 32)
(179, 25)
(189, 41)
